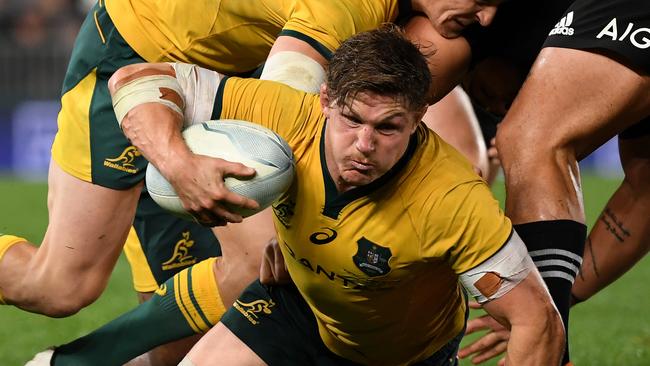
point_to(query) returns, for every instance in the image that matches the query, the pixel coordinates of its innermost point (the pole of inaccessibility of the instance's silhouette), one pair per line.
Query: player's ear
(324, 100)
(418, 117)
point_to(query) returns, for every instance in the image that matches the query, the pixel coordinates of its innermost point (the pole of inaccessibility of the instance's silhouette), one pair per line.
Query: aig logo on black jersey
(372, 259)
(639, 37)
(323, 237)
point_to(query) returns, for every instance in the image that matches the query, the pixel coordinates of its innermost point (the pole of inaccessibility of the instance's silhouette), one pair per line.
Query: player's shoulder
(437, 162)
(435, 171)
(360, 14)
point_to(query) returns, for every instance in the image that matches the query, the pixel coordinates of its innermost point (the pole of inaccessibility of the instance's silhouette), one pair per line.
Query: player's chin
(358, 178)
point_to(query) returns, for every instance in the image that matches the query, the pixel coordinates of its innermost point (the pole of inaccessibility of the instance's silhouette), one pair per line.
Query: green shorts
(89, 143)
(90, 146)
(161, 245)
(278, 325)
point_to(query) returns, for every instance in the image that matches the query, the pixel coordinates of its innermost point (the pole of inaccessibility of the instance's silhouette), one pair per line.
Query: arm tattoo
(614, 225)
(594, 265)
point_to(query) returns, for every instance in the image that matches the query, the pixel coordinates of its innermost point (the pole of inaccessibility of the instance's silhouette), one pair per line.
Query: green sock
(182, 306)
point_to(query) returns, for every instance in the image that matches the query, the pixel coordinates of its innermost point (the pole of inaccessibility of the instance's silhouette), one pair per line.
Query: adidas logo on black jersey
(563, 26)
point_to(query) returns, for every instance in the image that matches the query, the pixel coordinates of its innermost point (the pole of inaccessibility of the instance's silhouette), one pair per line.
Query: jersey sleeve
(291, 113)
(326, 24)
(466, 227)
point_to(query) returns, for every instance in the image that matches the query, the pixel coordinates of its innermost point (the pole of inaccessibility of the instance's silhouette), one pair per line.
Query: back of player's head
(381, 61)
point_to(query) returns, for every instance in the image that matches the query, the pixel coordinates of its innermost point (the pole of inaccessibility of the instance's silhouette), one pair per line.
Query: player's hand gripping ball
(236, 141)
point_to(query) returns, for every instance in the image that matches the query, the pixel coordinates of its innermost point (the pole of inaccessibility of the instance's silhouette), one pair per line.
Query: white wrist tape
(500, 273)
(142, 90)
(294, 69)
(199, 88)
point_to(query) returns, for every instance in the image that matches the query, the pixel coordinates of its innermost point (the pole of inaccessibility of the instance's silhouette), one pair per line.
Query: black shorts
(514, 33)
(278, 325)
(514, 36)
(618, 28)
(640, 129)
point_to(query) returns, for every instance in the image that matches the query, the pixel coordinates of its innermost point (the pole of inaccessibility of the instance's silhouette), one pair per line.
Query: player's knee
(67, 298)
(60, 309)
(508, 142)
(515, 142)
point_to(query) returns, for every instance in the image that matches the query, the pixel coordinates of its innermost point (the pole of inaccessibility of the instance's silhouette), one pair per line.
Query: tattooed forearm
(614, 225)
(594, 264)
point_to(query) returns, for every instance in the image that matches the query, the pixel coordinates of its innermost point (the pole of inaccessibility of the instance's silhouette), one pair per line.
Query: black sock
(556, 248)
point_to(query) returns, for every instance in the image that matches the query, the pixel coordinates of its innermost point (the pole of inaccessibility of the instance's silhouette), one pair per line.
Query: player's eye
(387, 129)
(351, 120)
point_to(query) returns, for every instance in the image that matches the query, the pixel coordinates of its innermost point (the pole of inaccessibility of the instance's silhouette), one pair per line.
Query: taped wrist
(143, 90)
(199, 90)
(500, 273)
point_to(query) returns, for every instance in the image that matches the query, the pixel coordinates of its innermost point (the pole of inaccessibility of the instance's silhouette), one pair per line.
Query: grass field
(613, 328)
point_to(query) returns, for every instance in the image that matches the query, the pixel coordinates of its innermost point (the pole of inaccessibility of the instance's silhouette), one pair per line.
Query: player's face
(450, 17)
(365, 139)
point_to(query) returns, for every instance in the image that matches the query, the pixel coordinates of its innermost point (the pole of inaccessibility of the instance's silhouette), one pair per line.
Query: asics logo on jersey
(639, 37)
(251, 309)
(181, 256)
(124, 162)
(323, 237)
(562, 27)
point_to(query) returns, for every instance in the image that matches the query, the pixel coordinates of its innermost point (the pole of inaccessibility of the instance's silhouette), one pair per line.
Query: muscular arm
(448, 58)
(537, 334)
(154, 127)
(512, 291)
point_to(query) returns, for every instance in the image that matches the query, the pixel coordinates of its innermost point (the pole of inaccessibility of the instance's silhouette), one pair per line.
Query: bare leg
(221, 347)
(88, 225)
(572, 102)
(454, 120)
(242, 246)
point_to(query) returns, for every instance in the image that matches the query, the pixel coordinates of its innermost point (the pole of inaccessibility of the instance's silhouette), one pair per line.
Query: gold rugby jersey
(235, 36)
(378, 265)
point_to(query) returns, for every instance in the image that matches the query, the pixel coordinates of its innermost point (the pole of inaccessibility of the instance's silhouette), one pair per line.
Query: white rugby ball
(238, 141)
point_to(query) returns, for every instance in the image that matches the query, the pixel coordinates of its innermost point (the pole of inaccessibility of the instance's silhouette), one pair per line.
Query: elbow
(120, 77)
(131, 72)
